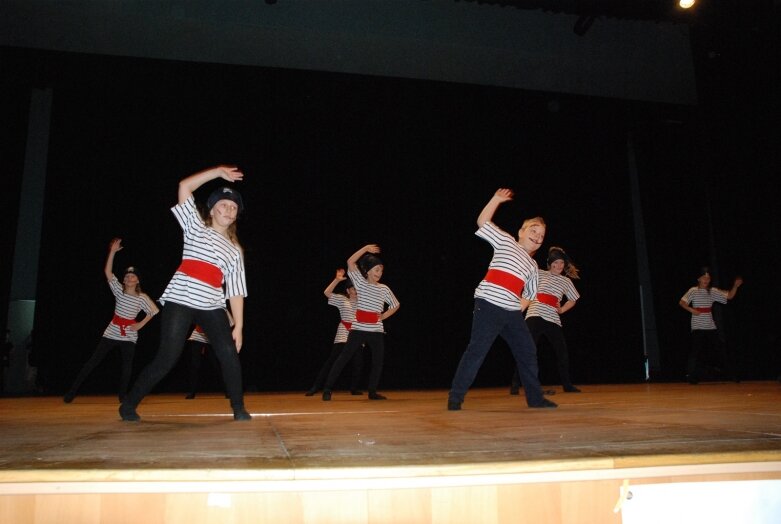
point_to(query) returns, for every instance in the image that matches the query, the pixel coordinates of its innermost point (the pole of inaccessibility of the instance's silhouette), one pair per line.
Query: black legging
(540, 327)
(175, 327)
(127, 350)
(355, 340)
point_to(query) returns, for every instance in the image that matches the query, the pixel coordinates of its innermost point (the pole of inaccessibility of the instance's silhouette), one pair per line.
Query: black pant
(702, 340)
(540, 327)
(337, 350)
(356, 339)
(127, 349)
(175, 327)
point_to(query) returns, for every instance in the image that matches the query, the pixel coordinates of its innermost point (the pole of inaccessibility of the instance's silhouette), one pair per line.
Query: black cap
(225, 193)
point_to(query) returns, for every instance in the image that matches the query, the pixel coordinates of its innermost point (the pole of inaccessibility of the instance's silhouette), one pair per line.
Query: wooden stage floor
(605, 432)
(616, 426)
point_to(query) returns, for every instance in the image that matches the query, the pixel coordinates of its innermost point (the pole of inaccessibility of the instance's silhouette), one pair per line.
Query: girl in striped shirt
(698, 301)
(122, 331)
(212, 270)
(500, 299)
(544, 313)
(370, 311)
(345, 300)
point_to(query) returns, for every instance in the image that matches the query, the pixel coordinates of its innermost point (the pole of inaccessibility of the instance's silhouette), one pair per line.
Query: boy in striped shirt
(500, 300)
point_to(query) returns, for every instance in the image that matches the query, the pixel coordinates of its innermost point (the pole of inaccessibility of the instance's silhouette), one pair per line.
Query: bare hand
(504, 194)
(115, 245)
(230, 173)
(340, 274)
(372, 248)
(237, 338)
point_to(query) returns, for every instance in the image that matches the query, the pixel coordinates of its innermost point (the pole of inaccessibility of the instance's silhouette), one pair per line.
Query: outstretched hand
(504, 194)
(372, 248)
(340, 274)
(230, 173)
(115, 245)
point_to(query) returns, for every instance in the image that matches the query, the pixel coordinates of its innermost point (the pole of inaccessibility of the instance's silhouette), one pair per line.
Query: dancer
(369, 314)
(345, 300)
(500, 299)
(698, 301)
(212, 258)
(122, 331)
(544, 313)
(198, 348)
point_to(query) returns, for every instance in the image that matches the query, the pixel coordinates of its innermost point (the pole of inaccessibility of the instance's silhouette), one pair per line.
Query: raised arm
(352, 262)
(335, 282)
(735, 285)
(501, 196)
(113, 247)
(187, 186)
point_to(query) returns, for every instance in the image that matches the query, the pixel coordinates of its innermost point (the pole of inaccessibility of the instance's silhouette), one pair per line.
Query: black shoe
(692, 380)
(571, 389)
(326, 394)
(128, 413)
(514, 390)
(377, 396)
(355, 392)
(545, 403)
(190, 396)
(310, 393)
(452, 405)
(549, 392)
(241, 414)
(68, 398)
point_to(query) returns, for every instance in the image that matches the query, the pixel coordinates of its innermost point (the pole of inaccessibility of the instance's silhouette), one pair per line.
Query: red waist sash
(198, 328)
(703, 309)
(122, 323)
(347, 325)
(506, 280)
(367, 317)
(202, 271)
(551, 300)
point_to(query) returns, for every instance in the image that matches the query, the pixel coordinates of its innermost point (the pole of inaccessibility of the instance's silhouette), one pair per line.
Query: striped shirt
(372, 298)
(699, 297)
(558, 286)
(126, 306)
(346, 314)
(511, 258)
(204, 244)
(198, 336)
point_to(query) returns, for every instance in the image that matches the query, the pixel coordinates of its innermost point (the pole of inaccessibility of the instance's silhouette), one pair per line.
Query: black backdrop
(335, 161)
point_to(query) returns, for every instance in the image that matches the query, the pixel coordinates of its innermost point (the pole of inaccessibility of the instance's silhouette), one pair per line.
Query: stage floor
(293, 437)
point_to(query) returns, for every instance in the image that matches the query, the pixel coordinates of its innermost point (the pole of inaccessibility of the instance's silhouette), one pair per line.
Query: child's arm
(501, 196)
(352, 262)
(188, 185)
(113, 247)
(338, 278)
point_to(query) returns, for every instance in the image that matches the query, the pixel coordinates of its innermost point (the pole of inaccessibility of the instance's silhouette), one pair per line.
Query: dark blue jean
(488, 322)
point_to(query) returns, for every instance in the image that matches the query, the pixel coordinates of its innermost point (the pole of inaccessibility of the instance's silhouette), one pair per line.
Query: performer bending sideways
(212, 259)
(500, 300)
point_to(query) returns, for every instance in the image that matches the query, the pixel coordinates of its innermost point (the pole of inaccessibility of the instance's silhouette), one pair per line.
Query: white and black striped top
(207, 245)
(510, 257)
(699, 297)
(551, 284)
(371, 297)
(126, 306)
(346, 313)
(198, 336)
